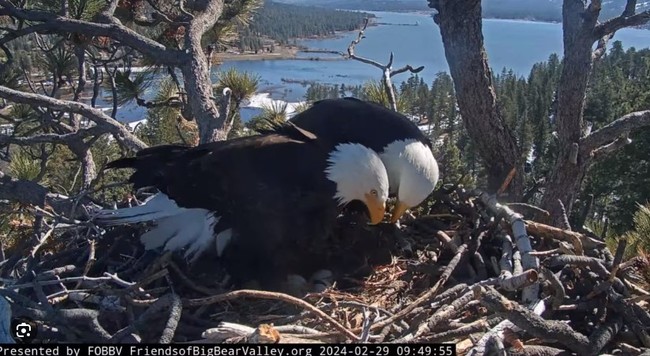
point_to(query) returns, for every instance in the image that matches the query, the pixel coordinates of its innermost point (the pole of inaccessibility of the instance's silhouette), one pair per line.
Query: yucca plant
(302, 107)
(374, 91)
(638, 239)
(243, 85)
(276, 112)
(24, 167)
(271, 114)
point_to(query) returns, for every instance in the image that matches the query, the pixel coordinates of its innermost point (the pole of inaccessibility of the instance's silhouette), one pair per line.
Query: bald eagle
(269, 201)
(403, 148)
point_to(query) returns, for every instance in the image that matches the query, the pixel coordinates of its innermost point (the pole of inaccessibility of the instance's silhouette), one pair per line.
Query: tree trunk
(85, 157)
(212, 125)
(198, 86)
(573, 161)
(461, 29)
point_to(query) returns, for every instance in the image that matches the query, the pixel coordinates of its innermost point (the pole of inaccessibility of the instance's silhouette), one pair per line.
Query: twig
(518, 281)
(428, 294)
(368, 320)
(603, 334)
(560, 293)
(189, 282)
(94, 280)
(143, 321)
(91, 260)
(578, 240)
(447, 241)
(42, 241)
(565, 218)
(530, 207)
(631, 316)
(175, 312)
(538, 350)
(533, 323)
(272, 295)
(506, 182)
(522, 240)
(445, 314)
(471, 328)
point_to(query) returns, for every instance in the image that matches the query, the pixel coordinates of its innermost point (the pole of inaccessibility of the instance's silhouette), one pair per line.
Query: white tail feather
(156, 207)
(176, 227)
(193, 228)
(223, 238)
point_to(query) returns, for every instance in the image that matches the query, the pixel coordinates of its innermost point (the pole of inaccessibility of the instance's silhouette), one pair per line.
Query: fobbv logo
(23, 330)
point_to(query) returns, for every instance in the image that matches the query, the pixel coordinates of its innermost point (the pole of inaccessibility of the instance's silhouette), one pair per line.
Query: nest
(471, 272)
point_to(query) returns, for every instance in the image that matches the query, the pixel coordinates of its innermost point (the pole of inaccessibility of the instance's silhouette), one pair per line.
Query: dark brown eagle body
(269, 190)
(353, 120)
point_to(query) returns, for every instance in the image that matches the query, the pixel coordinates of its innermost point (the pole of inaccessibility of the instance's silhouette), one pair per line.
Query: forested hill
(539, 10)
(283, 22)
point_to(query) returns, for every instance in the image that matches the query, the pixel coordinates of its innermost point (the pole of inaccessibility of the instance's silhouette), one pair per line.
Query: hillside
(540, 10)
(282, 22)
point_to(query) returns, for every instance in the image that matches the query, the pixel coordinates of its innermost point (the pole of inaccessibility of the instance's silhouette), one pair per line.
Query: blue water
(514, 44)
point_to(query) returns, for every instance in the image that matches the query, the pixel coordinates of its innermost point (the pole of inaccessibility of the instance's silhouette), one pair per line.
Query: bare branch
(356, 41)
(612, 147)
(616, 128)
(112, 126)
(611, 26)
(31, 193)
(387, 70)
(12, 35)
(601, 48)
(52, 138)
(407, 68)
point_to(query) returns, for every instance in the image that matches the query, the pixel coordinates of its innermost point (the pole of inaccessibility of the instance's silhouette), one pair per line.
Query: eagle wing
(269, 190)
(353, 120)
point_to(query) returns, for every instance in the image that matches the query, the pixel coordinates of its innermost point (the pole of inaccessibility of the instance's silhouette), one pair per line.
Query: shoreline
(290, 52)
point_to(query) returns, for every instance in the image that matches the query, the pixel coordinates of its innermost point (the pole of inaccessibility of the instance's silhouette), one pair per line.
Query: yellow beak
(400, 209)
(376, 208)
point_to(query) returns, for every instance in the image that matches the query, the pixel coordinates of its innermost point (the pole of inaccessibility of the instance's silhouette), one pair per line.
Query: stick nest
(457, 274)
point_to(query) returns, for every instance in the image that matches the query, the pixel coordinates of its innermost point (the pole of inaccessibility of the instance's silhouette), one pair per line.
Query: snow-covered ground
(254, 105)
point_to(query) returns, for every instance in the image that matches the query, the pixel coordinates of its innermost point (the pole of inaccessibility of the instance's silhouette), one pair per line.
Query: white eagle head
(412, 172)
(359, 174)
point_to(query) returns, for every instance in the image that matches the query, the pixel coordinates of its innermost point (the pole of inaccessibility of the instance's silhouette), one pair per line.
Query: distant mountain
(538, 10)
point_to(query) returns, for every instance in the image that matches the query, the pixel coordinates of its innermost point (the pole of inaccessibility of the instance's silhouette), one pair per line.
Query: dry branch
(533, 323)
(615, 129)
(522, 240)
(270, 295)
(387, 69)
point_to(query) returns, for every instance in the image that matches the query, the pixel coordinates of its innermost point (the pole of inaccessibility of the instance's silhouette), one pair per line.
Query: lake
(514, 44)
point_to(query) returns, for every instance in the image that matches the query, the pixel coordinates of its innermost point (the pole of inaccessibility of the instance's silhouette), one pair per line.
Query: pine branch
(111, 28)
(110, 125)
